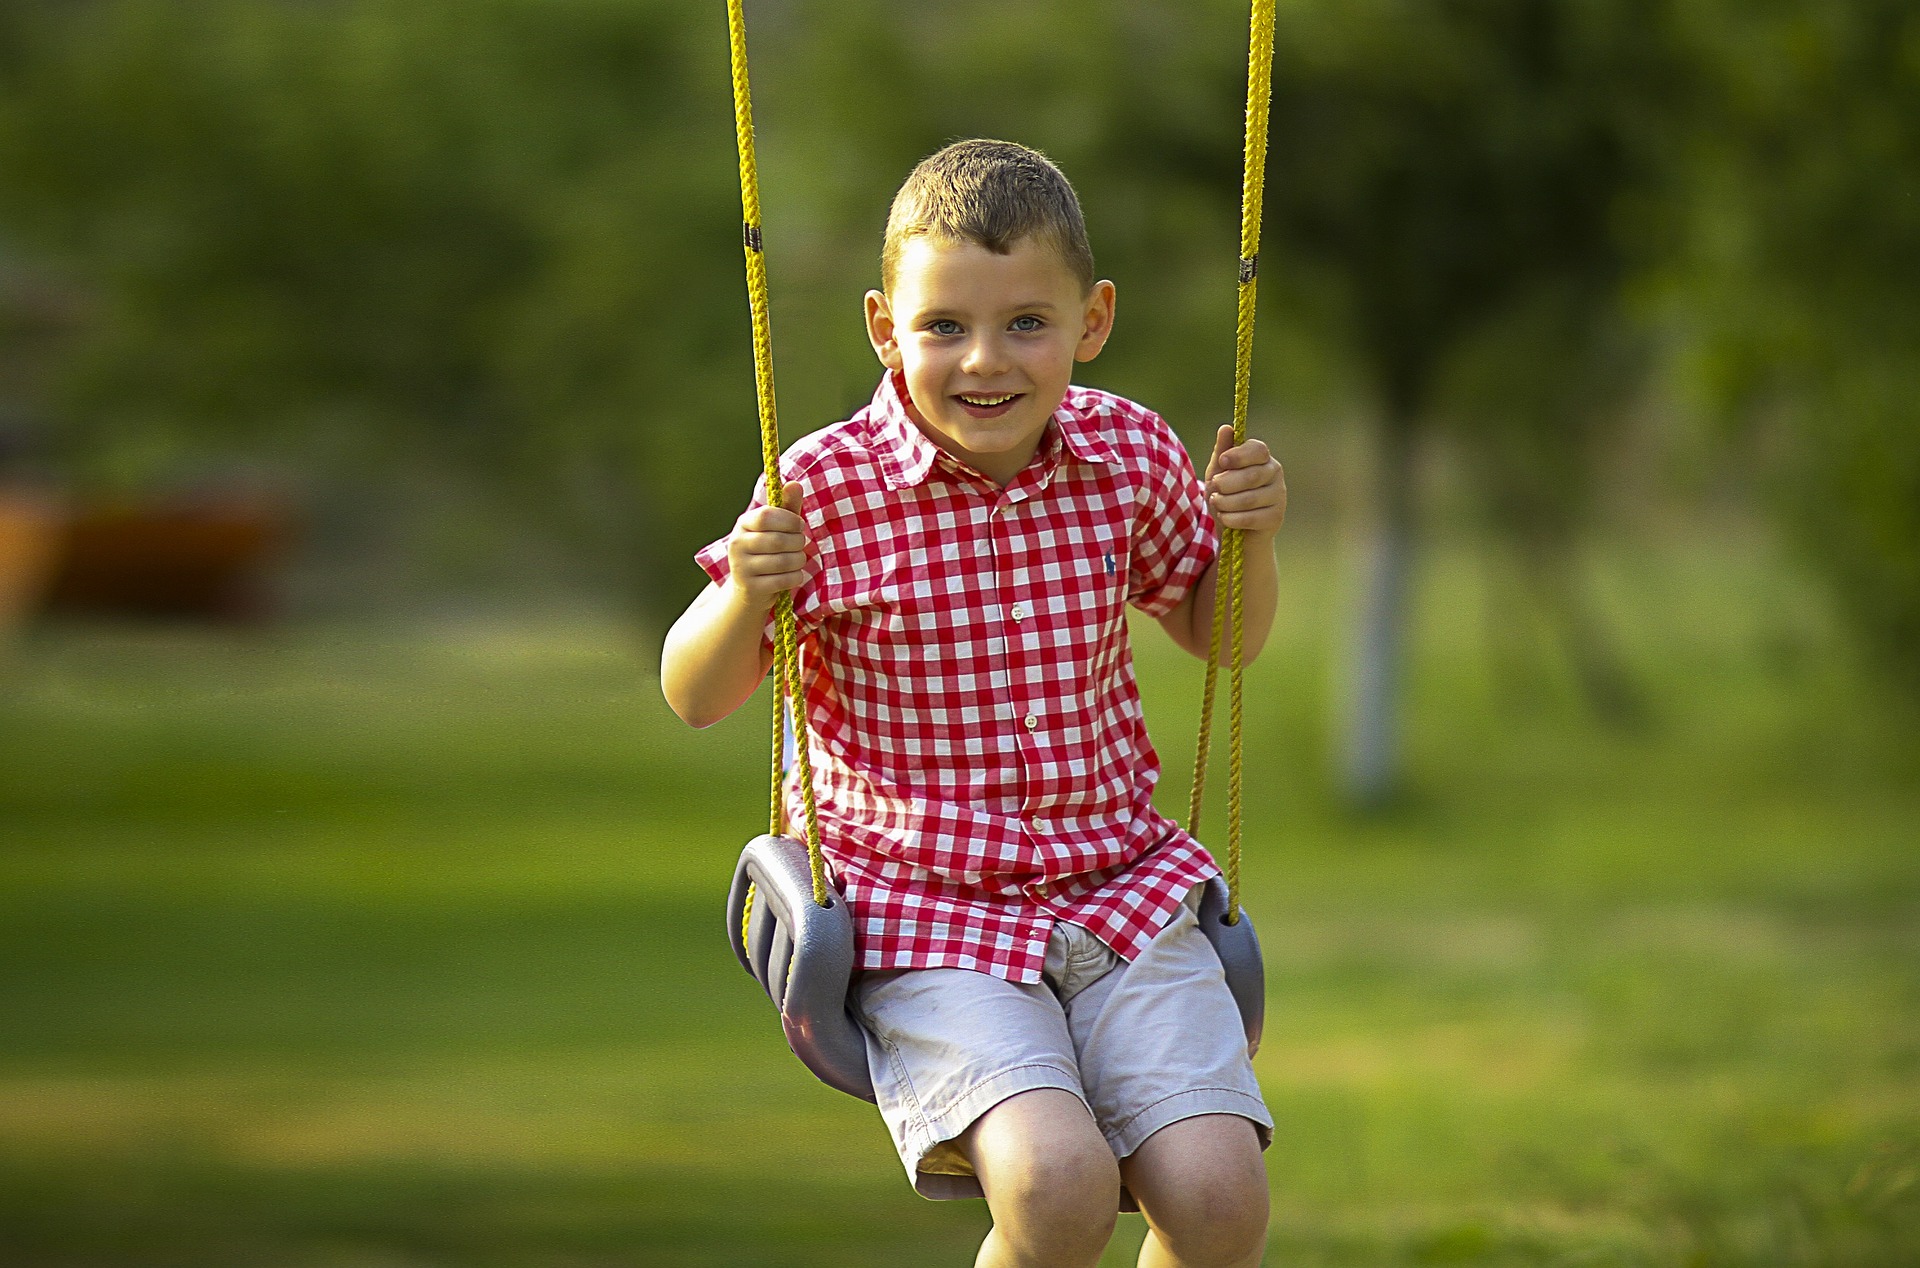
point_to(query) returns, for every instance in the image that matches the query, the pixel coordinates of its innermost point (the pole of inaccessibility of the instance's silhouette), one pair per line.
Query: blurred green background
(382, 927)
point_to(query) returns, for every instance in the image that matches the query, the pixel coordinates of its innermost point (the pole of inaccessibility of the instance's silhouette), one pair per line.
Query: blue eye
(945, 327)
(1027, 324)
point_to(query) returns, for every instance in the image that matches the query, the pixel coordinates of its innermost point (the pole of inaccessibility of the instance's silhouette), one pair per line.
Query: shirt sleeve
(713, 560)
(1174, 538)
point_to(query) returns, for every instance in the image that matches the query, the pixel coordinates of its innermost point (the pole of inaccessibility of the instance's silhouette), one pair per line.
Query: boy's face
(987, 344)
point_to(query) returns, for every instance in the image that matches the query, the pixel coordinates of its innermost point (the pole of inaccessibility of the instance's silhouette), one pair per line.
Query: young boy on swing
(1046, 1022)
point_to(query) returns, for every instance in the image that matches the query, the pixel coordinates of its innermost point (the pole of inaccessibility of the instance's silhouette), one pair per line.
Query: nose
(985, 357)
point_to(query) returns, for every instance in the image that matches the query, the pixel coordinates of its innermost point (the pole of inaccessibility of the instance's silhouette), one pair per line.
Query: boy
(1046, 1022)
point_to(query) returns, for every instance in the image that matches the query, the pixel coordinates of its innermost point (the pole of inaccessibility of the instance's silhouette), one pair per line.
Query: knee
(1219, 1223)
(1058, 1204)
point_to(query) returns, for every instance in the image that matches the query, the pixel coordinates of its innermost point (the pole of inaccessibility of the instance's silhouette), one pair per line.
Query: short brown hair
(993, 193)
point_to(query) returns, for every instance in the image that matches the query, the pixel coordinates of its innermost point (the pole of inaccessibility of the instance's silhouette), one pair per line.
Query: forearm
(1260, 596)
(713, 658)
(1246, 491)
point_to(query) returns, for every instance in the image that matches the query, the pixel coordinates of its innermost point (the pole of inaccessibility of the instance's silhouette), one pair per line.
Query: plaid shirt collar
(907, 455)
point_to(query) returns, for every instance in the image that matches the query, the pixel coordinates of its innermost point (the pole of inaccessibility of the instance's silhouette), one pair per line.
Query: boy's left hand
(1246, 488)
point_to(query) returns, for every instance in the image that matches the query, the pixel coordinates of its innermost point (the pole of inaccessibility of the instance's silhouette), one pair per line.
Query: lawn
(380, 946)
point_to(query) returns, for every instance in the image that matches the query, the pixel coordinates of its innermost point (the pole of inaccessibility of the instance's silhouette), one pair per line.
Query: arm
(714, 656)
(1247, 490)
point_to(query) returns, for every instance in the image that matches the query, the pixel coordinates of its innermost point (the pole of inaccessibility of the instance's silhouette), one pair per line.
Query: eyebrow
(1038, 305)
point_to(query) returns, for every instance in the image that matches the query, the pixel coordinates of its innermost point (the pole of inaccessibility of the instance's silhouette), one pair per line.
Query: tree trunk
(1372, 773)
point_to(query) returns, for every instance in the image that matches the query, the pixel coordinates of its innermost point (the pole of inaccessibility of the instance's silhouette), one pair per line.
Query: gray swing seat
(802, 956)
(1238, 947)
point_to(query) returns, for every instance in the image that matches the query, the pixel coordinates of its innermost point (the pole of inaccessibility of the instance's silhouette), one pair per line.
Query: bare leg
(1050, 1179)
(1202, 1185)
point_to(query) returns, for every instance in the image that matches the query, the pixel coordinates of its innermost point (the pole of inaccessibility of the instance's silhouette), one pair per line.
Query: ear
(1096, 321)
(880, 330)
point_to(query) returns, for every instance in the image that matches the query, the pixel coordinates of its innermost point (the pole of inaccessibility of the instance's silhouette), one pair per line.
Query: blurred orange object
(31, 525)
(207, 558)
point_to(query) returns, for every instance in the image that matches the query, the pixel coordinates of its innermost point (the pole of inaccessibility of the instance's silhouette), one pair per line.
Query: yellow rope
(787, 686)
(777, 813)
(746, 918)
(1230, 570)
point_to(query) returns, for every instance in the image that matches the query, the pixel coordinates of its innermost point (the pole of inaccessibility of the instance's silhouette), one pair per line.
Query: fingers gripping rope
(1231, 567)
(786, 667)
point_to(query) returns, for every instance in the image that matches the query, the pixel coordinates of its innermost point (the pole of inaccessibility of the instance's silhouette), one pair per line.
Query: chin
(996, 441)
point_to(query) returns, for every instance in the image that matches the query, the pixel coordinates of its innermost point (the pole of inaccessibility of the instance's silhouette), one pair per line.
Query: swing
(789, 928)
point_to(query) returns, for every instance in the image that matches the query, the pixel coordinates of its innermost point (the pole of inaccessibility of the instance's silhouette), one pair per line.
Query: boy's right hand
(767, 553)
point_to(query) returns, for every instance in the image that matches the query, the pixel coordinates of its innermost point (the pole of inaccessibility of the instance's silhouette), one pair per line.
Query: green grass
(374, 948)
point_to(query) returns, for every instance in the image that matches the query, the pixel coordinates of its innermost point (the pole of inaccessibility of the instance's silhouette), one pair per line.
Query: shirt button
(1032, 722)
(1039, 825)
(1019, 613)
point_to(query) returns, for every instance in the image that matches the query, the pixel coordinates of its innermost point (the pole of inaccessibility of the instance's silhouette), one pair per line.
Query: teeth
(988, 400)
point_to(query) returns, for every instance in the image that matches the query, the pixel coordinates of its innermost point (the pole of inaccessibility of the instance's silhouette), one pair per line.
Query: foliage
(1796, 300)
(1458, 170)
(478, 236)
(498, 238)
(1452, 160)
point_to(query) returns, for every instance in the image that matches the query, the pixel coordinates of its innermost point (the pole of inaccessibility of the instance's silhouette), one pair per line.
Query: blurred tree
(492, 237)
(1797, 298)
(1458, 167)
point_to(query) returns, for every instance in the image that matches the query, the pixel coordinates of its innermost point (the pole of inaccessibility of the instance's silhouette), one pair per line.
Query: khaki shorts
(1142, 1044)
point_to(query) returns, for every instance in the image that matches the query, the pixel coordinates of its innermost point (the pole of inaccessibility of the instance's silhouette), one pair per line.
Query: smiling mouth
(986, 404)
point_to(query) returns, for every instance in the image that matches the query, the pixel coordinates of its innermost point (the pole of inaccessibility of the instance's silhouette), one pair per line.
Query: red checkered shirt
(980, 756)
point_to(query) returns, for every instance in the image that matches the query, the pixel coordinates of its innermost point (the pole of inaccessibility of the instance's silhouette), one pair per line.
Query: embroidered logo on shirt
(1110, 563)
